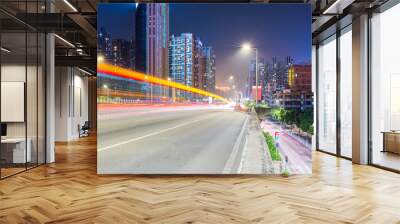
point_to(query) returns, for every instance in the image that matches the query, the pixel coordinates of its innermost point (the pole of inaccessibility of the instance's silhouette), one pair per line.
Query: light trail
(134, 75)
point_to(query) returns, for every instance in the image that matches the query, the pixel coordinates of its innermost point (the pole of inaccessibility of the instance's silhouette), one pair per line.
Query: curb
(229, 165)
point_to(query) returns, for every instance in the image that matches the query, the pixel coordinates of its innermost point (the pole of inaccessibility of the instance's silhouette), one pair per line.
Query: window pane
(31, 97)
(327, 96)
(346, 93)
(13, 86)
(23, 81)
(385, 84)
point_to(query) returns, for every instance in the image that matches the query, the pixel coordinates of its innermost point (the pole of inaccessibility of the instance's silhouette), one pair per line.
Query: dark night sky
(275, 29)
(118, 19)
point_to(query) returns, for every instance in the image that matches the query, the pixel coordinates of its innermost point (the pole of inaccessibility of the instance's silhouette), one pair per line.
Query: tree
(302, 119)
(290, 116)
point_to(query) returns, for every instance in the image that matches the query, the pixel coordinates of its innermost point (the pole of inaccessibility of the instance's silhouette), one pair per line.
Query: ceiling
(74, 21)
(330, 15)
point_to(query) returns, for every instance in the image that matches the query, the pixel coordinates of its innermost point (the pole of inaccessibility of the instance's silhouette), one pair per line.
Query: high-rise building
(117, 53)
(157, 39)
(104, 44)
(191, 63)
(288, 65)
(262, 78)
(252, 77)
(131, 54)
(297, 94)
(181, 58)
(209, 84)
(278, 74)
(152, 33)
(122, 53)
(141, 38)
(292, 99)
(299, 78)
(199, 64)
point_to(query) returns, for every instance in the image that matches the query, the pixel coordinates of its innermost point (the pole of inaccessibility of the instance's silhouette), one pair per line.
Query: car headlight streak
(134, 75)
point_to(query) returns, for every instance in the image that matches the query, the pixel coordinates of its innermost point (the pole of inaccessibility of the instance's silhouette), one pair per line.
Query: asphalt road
(187, 140)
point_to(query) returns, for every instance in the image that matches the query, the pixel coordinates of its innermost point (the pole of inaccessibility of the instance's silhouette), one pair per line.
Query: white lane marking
(240, 169)
(230, 162)
(151, 134)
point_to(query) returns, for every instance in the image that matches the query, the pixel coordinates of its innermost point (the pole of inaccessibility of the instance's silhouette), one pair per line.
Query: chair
(84, 130)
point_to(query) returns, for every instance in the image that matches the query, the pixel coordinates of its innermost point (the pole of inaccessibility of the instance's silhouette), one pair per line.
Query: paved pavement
(298, 153)
(256, 157)
(168, 140)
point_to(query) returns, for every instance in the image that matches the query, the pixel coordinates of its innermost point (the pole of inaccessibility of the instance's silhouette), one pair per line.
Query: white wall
(12, 73)
(62, 82)
(13, 101)
(80, 109)
(16, 73)
(71, 102)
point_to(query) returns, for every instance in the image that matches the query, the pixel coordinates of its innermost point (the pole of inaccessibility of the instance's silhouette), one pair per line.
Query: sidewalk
(255, 158)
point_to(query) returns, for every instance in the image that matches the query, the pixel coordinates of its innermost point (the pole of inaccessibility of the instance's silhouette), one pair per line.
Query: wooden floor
(70, 191)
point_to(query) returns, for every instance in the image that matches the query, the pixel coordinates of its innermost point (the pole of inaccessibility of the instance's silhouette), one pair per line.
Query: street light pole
(256, 75)
(248, 47)
(151, 93)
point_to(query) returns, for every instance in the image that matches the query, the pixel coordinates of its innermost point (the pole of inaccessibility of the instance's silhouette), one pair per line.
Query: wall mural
(204, 89)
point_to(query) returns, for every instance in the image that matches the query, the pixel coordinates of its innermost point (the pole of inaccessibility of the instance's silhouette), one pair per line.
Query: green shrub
(249, 104)
(273, 151)
(263, 105)
(285, 173)
(277, 113)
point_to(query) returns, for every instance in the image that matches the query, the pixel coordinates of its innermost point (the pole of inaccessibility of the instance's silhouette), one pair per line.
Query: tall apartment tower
(252, 76)
(181, 58)
(141, 38)
(187, 60)
(104, 47)
(152, 39)
(199, 64)
(209, 84)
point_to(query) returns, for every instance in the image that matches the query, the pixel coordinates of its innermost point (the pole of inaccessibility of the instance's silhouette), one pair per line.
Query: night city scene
(204, 88)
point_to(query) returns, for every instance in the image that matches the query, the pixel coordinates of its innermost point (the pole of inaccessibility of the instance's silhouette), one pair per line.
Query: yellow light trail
(134, 75)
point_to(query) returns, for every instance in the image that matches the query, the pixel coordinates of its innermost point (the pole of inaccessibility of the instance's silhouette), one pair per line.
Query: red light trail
(138, 76)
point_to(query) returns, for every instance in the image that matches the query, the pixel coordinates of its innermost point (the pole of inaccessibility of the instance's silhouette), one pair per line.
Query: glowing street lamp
(146, 77)
(105, 86)
(171, 90)
(167, 88)
(100, 59)
(248, 47)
